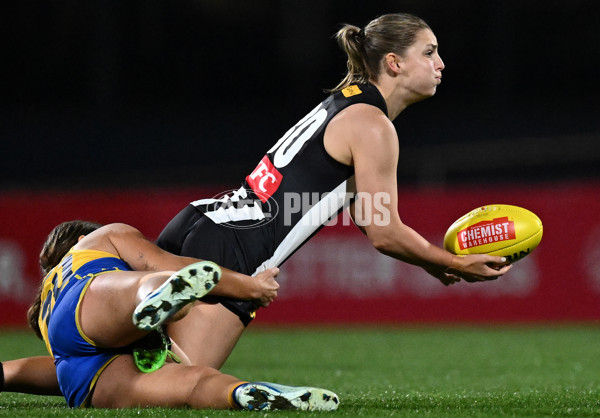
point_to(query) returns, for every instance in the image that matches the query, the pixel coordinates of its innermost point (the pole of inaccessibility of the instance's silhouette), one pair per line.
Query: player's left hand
(267, 287)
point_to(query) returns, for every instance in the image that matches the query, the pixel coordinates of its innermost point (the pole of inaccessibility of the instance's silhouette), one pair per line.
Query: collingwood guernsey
(294, 190)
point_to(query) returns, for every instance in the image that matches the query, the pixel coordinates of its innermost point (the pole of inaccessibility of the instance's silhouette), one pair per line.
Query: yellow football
(503, 230)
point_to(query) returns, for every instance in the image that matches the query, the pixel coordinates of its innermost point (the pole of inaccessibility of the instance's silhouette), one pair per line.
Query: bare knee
(149, 283)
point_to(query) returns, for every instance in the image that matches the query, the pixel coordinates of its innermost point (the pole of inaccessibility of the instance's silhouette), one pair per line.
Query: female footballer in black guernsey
(344, 146)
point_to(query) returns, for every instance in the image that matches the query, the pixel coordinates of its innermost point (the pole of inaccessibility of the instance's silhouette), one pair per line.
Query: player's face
(422, 66)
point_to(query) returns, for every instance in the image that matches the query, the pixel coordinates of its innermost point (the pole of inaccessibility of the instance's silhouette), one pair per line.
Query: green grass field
(381, 372)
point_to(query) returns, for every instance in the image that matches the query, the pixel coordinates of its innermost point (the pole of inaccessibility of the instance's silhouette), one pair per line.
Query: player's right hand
(471, 268)
(479, 267)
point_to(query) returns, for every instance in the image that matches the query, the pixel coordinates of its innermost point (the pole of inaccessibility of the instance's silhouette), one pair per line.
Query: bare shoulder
(103, 238)
(362, 118)
(357, 126)
(119, 228)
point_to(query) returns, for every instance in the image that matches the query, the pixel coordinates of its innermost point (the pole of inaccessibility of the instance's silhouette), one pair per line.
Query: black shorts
(191, 234)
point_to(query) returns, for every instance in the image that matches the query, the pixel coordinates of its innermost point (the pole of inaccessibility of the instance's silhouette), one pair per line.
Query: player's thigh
(207, 334)
(107, 306)
(122, 385)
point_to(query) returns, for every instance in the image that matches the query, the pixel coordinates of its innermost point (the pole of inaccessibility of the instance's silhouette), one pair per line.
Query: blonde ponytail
(367, 47)
(350, 39)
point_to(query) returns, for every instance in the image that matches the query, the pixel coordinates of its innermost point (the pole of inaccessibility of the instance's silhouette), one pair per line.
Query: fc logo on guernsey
(265, 179)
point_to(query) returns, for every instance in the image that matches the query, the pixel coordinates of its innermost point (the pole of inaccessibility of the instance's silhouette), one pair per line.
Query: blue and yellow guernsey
(78, 360)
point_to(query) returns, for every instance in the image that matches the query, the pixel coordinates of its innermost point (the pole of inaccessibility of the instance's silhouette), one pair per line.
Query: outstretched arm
(374, 150)
(33, 375)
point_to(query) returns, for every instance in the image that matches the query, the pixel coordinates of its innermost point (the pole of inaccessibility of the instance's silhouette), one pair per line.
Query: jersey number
(290, 144)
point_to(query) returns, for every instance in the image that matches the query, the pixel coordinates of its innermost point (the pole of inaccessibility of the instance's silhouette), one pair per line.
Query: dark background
(105, 94)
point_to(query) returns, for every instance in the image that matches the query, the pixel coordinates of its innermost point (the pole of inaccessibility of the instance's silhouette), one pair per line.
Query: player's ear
(80, 238)
(393, 62)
